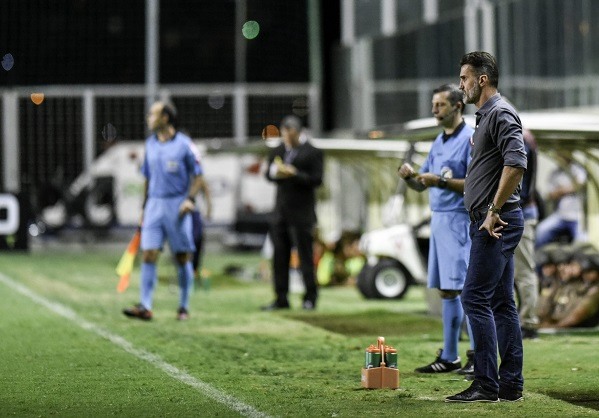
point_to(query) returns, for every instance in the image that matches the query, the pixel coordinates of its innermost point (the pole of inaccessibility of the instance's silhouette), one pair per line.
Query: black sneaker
(138, 311)
(182, 314)
(440, 365)
(475, 393)
(275, 306)
(529, 333)
(510, 395)
(468, 368)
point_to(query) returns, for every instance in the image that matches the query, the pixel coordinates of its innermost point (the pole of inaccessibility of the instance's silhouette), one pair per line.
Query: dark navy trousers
(488, 300)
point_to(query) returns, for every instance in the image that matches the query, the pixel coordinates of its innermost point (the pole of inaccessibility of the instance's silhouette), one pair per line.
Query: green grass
(284, 364)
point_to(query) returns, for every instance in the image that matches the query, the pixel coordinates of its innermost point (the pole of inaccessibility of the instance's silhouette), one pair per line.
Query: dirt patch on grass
(585, 399)
(371, 322)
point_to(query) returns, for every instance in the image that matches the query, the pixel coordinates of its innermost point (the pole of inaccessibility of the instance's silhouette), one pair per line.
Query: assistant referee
(173, 179)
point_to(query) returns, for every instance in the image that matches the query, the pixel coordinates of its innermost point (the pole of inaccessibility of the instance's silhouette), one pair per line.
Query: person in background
(341, 262)
(196, 216)
(556, 276)
(173, 179)
(566, 183)
(584, 307)
(525, 276)
(443, 174)
(296, 167)
(571, 298)
(546, 266)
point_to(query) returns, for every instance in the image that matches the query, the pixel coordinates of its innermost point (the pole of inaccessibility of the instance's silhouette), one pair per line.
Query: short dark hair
(170, 110)
(482, 63)
(292, 122)
(455, 95)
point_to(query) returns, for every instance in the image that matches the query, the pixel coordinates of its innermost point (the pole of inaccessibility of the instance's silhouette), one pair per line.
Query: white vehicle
(110, 194)
(395, 260)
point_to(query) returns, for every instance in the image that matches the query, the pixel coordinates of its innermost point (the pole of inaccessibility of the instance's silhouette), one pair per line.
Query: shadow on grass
(585, 399)
(371, 322)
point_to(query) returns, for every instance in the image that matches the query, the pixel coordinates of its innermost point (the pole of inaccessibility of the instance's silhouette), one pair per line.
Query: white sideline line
(155, 360)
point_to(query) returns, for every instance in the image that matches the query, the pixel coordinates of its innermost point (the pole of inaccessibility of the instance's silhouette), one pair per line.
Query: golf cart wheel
(365, 281)
(389, 280)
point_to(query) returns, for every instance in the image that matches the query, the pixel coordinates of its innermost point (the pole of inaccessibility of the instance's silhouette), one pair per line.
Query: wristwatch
(442, 184)
(494, 209)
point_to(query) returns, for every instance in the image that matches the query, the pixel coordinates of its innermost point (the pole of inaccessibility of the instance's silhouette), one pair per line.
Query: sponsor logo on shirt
(446, 173)
(172, 166)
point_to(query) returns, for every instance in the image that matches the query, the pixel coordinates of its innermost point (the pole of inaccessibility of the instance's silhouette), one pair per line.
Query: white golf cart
(396, 259)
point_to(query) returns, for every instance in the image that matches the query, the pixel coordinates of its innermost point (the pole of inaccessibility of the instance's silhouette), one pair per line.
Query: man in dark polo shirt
(491, 196)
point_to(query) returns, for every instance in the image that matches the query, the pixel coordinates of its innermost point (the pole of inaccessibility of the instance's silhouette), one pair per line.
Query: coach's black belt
(477, 215)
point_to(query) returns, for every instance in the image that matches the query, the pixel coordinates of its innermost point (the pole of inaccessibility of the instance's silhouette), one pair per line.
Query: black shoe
(529, 333)
(510, 395)
(475, 393)
(468, 368)
(309, 305)
(182, 314)
(275, 306)
(138, 311)
(440, 366)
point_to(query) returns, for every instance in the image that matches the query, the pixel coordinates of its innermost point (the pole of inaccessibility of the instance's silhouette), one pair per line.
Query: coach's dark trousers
(284, 236)
(488, 300)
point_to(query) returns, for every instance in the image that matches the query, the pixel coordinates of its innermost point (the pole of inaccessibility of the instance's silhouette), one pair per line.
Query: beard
(471, 96)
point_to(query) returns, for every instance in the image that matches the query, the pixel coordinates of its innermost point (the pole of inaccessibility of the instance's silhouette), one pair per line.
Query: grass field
(281, 364)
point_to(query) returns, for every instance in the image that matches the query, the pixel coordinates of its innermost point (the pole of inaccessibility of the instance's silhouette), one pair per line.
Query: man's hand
(428, 179)
(406, 171)
(493, 224)
(285, 171)
(186, 207)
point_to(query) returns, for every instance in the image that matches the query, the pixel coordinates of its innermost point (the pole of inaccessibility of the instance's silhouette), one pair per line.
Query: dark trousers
(488, 301)
(284, 236)
(198, 239)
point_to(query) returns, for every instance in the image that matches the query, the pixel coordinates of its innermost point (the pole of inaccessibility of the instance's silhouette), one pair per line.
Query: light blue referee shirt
(449, 158)
(170, 166)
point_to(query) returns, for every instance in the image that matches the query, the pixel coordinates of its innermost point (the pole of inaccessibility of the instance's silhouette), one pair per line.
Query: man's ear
(482, 80)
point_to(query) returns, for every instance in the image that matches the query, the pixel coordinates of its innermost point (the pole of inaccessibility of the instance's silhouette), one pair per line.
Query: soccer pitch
(68, 351)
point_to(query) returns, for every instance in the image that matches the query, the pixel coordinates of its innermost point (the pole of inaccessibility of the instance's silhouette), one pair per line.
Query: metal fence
(59, 138)
(385, 71)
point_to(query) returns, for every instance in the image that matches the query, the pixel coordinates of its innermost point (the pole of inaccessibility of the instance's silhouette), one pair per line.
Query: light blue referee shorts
(449, 250)
(162, 220)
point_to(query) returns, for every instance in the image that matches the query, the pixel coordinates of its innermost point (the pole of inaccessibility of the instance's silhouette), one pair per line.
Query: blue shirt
(449, 158)
(170, 166)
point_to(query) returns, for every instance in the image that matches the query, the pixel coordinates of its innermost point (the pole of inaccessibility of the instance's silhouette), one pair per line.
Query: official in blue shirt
(173, 179)
(443, 174)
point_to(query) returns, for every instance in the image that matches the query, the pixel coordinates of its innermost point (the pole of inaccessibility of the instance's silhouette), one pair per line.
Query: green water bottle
(391, 357)
(373, 357)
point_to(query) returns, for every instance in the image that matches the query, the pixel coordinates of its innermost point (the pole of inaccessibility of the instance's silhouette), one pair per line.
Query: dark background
(102, 42)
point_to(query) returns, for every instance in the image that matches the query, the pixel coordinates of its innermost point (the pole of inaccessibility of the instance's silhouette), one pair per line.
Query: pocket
(510, 238)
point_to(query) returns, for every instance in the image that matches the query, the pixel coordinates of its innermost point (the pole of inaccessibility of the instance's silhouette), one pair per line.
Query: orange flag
(125, 266)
